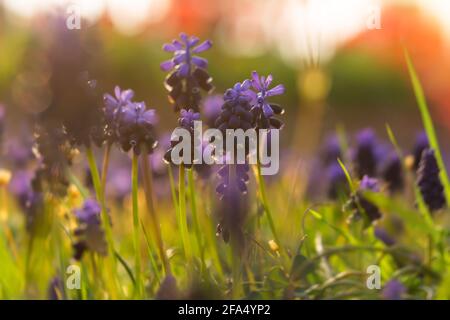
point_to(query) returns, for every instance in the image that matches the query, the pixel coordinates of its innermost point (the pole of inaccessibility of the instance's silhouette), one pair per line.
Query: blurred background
(341, 61)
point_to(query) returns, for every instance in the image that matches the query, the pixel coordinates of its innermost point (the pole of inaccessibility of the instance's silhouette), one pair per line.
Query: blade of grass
(347, 176)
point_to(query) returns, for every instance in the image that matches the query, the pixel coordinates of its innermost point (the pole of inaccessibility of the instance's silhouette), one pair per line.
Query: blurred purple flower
(369, 184)
(420, 145)
(361, 207)
(337, 182)
(212, 107)
(365, 154)
(119, 183)
(331, 150)
(393, 173)
(2, 121)
(89, 233)
(382, 235)
(19, 151)
(429, 182)
(393, 290)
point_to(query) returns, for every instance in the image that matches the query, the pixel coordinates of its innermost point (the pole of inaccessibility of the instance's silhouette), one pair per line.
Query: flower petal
(179, 57)
(268, 81)
(117, 92)
(150, 116)
(169, 47)
(205, 45)
(167, 65)
(268, 112)
(193, 41)
(256, 81)
(200, 62)
(275, 91)
(183, 70)
(127, 95)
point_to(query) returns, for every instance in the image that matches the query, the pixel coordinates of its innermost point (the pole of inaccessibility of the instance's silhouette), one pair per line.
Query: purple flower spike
(113, 104)
(183, 54)
(136, 127)
(420, 144)
(89, 233)
(188, 72)
(187, 118)
(393, 290)
(429, 182)
(263, 110)
(240, 93)
(361, 207)
(212, 106)
(369, 184)
(365, 153)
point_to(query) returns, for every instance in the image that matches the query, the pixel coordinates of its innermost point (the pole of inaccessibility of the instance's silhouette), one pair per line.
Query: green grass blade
(428, 123)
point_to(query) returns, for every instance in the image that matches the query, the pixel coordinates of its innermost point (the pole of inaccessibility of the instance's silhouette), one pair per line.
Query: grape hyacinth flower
(429, 182)
(365, 159)
(262, 110)
(331, 150)
(232, 213)
(337, 182)
(211, 108)
(112, 109)
(55, 290)
(393, 290)
(186, 121)
(188, 72)
(89, 233)
(420, 145)
(29, 200)
(241, 179)
(382, 235)
(393, 174)
(236, 112)
(54, 154)
(136, 128)
(361, 207)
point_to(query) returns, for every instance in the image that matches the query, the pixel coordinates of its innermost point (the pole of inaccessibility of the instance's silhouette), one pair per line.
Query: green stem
(262, 191)
(105, 166)
(104, 215)
(134, 186)
(148, 185)
(195, 216)
(182, 216)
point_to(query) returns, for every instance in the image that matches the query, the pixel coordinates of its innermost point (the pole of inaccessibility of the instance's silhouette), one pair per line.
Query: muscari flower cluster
(370, 157)
(187, 76)
(246, 106)
(89, 233)
(187, 72)
(361, 207)
(429, 182)
(186, 121)
(130, 124)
